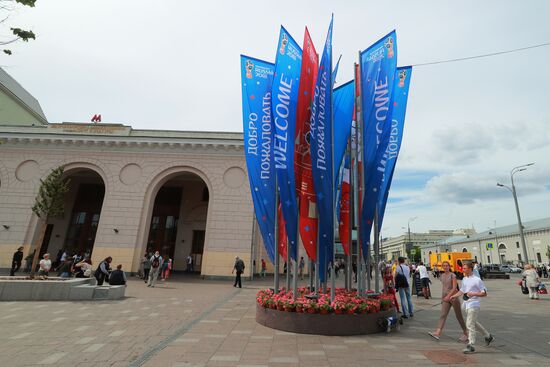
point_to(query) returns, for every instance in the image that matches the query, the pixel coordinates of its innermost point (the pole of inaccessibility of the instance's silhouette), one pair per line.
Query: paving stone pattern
(191, 322)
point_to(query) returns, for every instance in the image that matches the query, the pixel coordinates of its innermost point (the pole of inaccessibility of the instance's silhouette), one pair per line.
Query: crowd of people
(68, 265)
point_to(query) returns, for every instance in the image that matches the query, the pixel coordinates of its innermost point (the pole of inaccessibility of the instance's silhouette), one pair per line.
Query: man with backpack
(239, 268)
(156, 263)
(402, 274)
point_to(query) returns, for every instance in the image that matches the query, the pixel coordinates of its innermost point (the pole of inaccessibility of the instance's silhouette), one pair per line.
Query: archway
(464, 249)
(178, 220)
(76, 232)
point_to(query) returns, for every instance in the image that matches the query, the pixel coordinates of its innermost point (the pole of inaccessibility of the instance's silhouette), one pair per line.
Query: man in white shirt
(156, 263)
(45, 266)
(424, 279)
(471, 289)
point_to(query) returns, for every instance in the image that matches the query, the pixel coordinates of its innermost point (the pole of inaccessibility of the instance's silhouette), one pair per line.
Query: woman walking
(532, 279)
(449, 288)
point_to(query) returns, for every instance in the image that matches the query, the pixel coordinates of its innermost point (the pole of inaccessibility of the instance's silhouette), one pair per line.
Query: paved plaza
(187, 321)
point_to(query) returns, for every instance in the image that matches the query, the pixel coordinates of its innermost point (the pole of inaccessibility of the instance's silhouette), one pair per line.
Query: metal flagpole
(287, 284)
(351, 214)
(276, 272)
(334, 216)
(376, 247)
(318, 262)
(360, 137)
(310, 275)
(295, 274)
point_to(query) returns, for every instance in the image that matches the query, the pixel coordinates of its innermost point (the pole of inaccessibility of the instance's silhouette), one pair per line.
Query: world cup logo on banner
(284, 42)
(249, 67)
(389, 45)
(402, 76)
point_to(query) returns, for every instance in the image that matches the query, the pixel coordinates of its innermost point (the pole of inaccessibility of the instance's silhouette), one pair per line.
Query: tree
(548, 252)
(17, 34)
(49, 205)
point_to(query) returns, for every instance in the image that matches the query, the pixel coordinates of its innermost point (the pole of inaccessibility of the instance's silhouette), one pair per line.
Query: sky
(173, 64)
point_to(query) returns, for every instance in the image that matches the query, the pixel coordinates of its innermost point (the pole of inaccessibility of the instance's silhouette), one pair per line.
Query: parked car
(515, 269)
(505, 268)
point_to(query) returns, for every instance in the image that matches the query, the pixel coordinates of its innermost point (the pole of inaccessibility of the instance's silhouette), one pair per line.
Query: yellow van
(456, 259)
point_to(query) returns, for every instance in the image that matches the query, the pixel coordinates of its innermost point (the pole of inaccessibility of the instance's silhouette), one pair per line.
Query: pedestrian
(264, 269)
(28, 261)
(382, 267)
(166, 266)
(544, 271)
(301, 266)
(45, 266)
(354, 270)
(16, 261)
(284, 268)
(239, 268)
(156, 263)
(84, 268)
(476, 269)
(424, 279)
(389, 287)
(532, 281)
(146, 263)
(117, 276)
(402, 275)
(189, 264)
(448, 288)
(102, 271)
(65, 270)
(471, 289)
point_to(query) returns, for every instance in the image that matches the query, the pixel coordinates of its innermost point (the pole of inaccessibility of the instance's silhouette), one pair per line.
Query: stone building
(393, 247)
(131, 191)
(500, 245)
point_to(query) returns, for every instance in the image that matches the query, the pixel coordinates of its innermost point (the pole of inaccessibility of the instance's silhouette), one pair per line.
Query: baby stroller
(542, 289)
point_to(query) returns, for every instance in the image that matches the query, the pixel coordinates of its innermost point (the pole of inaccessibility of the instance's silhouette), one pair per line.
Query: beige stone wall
(132, 176)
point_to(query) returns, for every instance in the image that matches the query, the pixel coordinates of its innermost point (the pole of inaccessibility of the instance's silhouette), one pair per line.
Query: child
(389, 287)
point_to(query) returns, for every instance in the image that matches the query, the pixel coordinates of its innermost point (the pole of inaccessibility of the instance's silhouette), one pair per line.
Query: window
(517, 244)
(464, 249)
(502, 246)
(539, 259)
(488, 259)
(519, 257)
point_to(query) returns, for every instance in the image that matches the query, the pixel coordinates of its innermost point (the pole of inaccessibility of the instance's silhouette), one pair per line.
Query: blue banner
(284, 100)
(378, 65)
(389, 157)
(343, 100)
(256, 79)
(321, 156)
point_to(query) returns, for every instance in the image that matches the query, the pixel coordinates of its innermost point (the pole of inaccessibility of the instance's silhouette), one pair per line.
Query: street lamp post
(409, 244)
(513, 191)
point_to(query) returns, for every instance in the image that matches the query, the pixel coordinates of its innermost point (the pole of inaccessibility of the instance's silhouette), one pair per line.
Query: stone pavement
(192, 322)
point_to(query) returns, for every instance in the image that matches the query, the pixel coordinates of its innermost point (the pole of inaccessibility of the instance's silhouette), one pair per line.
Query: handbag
(401, 279)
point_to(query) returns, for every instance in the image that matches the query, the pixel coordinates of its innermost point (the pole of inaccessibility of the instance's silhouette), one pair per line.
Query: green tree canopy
(49, 201)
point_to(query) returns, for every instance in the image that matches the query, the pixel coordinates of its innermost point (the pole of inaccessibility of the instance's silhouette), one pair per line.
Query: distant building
(500, 245)
(393, 247)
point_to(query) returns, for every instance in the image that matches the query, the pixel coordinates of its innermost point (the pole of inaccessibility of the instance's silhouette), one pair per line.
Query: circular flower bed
(345, 302)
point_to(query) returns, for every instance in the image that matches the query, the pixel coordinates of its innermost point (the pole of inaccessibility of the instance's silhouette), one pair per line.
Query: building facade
(393, 247)
(500, 245)
(130, 191)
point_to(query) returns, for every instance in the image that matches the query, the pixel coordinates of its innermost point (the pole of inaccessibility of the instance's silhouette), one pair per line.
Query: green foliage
(26, 2)
(23, 35)
(548, 252)
(18, 33)
(49, 202)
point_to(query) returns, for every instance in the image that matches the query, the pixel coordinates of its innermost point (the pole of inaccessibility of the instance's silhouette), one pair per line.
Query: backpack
(401, 279)
(156, 262)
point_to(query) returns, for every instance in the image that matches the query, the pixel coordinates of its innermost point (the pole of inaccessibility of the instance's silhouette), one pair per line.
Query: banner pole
(359, 115)
(276, 272)
(317, 262)
(334, 216)
(287, 283)
(376, 247)
(351, 214)
(310, 275)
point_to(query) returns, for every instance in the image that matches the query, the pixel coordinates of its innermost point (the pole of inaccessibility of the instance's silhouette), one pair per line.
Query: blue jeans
(406, 301)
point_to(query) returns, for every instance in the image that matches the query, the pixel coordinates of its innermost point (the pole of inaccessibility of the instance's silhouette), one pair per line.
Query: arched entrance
(177, 225)
(75, 233)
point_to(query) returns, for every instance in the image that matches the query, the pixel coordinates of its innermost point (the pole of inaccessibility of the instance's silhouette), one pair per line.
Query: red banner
(302, 161)
(283, 239)
(344, 210)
